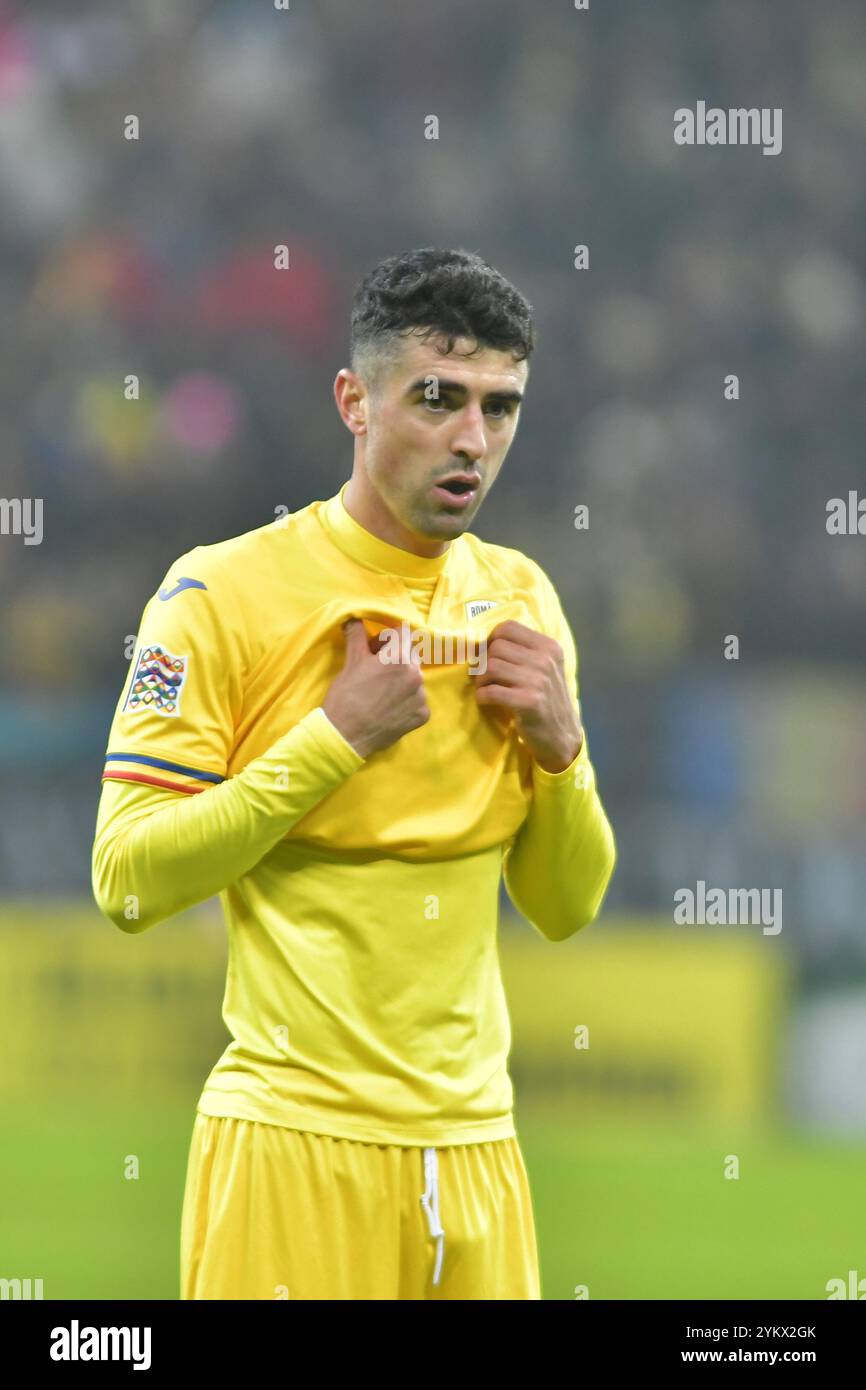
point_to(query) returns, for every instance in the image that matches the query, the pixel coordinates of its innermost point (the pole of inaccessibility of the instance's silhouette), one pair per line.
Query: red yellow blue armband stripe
(150, 770)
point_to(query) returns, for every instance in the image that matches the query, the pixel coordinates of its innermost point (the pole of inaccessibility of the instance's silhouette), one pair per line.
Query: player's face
(433, 416)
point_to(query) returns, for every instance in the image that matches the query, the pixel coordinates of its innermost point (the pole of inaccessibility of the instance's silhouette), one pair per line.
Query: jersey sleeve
(175, 720)
(156, 853)
(558, 867)
(556, 625)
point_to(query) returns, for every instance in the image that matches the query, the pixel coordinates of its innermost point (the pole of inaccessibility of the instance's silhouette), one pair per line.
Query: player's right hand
(371, 702)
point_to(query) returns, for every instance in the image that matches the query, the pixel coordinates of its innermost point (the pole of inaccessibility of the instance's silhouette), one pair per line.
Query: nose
(469, 438)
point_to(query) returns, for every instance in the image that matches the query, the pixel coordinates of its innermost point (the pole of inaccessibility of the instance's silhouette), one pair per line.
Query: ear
(351, 396)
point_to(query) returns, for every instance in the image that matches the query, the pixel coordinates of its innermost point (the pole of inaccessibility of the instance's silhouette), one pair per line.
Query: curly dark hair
(435, 293)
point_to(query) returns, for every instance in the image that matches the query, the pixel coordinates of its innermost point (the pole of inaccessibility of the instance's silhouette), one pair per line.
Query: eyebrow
(457, 388)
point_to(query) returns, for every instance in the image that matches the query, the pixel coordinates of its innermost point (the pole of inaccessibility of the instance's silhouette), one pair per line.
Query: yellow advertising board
(641, 1016)
(635, 1017)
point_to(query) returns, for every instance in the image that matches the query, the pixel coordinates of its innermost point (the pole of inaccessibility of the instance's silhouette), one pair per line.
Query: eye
(501, 410)
(434, 405)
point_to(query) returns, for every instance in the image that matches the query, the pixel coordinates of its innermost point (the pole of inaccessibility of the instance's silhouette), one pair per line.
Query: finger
(510, 697)
(514, 652)
(503, 672)
(517, 632)
(356, 639)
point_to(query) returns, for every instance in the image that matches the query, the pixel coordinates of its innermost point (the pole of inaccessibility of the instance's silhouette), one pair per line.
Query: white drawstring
(430, 1203)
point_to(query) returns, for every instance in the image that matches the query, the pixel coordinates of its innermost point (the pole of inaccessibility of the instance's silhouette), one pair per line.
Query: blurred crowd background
(306, 127)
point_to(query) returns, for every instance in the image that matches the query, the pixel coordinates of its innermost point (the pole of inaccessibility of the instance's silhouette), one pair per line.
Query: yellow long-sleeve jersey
(363, 995)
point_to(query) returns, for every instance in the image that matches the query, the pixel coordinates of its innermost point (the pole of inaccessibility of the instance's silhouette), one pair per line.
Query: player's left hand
(526, 675)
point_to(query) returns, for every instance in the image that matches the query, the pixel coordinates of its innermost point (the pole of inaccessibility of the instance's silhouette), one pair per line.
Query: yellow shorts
(274, 1213)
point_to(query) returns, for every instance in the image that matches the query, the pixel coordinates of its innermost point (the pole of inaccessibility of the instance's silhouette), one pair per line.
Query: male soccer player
(355, 814)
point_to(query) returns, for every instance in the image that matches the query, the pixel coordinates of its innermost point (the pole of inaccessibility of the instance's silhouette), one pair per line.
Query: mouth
(458, 490)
